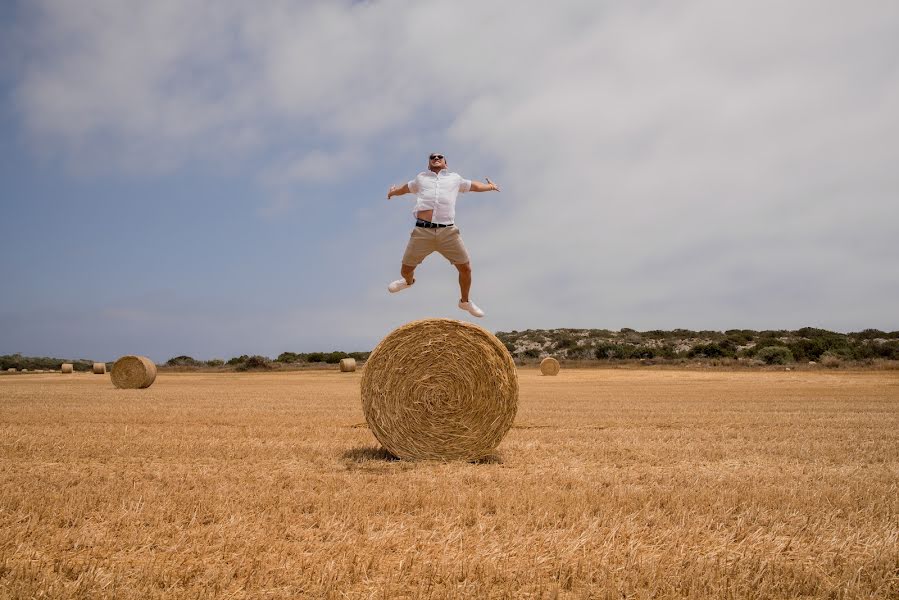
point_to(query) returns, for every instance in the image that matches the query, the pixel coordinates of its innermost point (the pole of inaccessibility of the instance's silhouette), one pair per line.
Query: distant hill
(32, 363)
(808, 344)
(770, 346)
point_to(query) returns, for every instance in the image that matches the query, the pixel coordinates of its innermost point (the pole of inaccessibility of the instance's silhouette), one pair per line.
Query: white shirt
(438, 192)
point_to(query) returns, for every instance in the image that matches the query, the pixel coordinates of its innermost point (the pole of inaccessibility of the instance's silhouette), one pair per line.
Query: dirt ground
(635, 483)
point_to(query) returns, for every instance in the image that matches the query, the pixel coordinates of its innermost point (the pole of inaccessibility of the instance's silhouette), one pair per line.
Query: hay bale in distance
(133, 372)
(67, 368)
(11, 370)
(440, 389)
(549, 366)
(347, 365)
(99, 368)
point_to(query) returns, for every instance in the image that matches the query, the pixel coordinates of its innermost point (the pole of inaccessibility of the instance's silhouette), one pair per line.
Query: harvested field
(611, 484)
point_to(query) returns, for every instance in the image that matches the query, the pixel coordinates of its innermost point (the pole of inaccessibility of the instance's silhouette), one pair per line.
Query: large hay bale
(549, 366)
(11, 370)
(440, 389)
(347, 365)
(99, 368)
(133, 372)
(67, 368)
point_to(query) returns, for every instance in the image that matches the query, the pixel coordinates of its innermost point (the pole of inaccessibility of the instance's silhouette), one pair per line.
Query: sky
(209, 178)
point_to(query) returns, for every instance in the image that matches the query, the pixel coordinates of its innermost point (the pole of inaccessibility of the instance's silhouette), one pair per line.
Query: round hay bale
(549, 366)
(99, 368)
(440, 389)
(67, 368)
(11, 370)
(133, 372)
(347, 365)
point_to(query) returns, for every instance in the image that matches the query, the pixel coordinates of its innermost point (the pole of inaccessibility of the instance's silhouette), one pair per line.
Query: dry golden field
(612, 484)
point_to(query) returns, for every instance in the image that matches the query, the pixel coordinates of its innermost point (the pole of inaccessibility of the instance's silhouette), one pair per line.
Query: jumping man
(435, 209)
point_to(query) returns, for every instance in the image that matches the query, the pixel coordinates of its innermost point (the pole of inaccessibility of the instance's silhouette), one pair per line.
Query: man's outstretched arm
(397, 191)
(477, 186)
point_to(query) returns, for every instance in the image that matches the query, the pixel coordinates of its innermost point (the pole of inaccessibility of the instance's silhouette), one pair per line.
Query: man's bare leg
(407, 272)
(464, 280)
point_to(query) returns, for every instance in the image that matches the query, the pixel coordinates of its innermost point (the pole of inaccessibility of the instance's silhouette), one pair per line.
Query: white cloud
(658, 159)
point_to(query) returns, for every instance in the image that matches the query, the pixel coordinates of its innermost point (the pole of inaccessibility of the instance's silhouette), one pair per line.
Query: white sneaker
(398, 285)
(472, 308)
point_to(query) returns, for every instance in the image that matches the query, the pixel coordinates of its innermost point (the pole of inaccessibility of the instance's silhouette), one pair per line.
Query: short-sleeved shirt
(438, 192)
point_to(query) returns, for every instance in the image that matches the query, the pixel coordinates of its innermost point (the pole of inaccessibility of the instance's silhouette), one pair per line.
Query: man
(435, 208)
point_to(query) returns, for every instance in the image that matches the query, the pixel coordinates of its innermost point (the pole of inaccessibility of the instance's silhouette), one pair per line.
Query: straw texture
(133, 372)
(99, 368)
(347, 365)
(67, 368)
(549, 366)
(440, 389)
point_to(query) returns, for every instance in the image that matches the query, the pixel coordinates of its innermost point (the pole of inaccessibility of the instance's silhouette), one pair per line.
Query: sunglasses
(436, 157)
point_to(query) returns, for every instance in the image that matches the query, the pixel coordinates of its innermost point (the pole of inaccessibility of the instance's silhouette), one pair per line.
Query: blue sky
(209, 178)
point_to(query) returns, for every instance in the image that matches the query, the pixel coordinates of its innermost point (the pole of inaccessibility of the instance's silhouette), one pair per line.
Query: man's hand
(397, 190)
(477, 186)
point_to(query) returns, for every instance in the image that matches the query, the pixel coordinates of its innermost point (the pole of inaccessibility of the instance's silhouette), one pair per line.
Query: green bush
(666, 351)
(888, 350)
(869, 334)
(761, 344)
(775, 355)
(183, 361)
(255, 363)
(607, 351)
(565, 343)
(740, 337)
(215, 362)
(722, 349)
(643, 352)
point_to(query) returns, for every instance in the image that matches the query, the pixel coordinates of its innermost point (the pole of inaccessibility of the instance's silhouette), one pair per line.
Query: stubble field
(612, 484)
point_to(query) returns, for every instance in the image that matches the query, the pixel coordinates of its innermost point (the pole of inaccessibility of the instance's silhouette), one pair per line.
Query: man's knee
(464, 267)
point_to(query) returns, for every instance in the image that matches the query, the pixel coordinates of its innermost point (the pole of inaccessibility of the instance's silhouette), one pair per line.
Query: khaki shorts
(445, 240)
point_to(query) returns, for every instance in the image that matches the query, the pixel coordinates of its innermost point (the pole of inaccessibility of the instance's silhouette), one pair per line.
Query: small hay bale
(549, 366)
(11, 370)
(440, 389)
(347, 365)
(133, 372)
(99, 368)
(67, 368)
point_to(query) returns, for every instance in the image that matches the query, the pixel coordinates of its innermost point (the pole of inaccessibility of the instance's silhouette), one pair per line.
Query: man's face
(436, 161)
